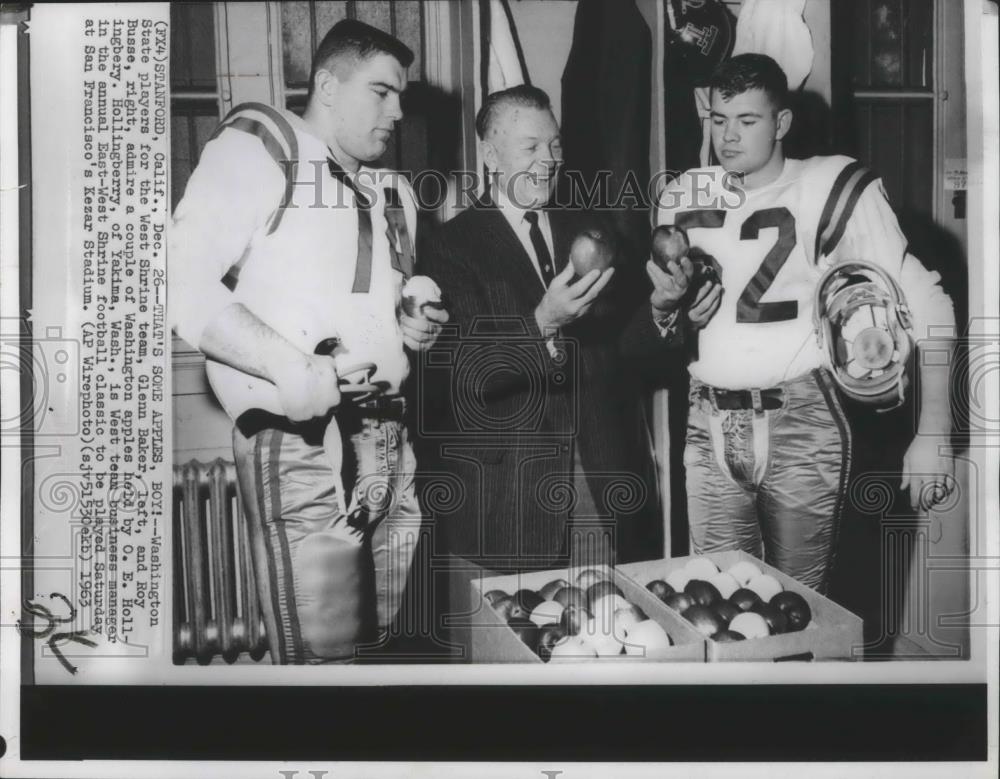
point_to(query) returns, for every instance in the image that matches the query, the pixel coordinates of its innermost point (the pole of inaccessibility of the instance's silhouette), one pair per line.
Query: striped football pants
(323, 585)
(772, 483)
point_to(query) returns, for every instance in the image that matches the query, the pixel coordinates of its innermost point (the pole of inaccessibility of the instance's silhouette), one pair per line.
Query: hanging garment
(506, 67)
(606, 88)
(776, 28)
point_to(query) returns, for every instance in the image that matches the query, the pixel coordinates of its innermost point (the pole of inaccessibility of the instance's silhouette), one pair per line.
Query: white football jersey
(771, 246)
(283, 240)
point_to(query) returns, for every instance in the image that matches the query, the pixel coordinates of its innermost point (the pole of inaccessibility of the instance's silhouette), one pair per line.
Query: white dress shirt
(522, 229)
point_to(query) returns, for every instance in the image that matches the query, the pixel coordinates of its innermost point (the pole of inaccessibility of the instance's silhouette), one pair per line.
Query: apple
(786, 599)
(571, 596)
(494, 595)
(518, 610)
(420, 291)
(504, 607)
(660, 588)
(548, 637)
(705, 620)
(794, 607)
(608, 605)
(701, 568)
(668, 243)
(726, 610)
(571, 649)
(679, 601)
(529, 599)
(552, 588)
(776, 621)
(765, 585)
(526, 630)
(574, 618)
(678, 579)
(750, 624)
(592, 248)
(647, 639)
(799, 617)
(598, 590)
(702, 593)
(728, 636)
(589, 576)
(743, 571)
(724, 583)
(545, 612)
(744, 599)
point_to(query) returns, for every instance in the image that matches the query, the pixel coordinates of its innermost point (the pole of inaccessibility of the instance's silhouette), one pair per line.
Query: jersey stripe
(276, 134)
(850, 183)
(395, 218)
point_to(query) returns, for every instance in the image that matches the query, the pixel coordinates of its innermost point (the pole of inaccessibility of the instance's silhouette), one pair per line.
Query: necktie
(541, 249)
(363, 269)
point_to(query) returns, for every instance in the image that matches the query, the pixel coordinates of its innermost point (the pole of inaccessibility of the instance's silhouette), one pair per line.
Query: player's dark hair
(355, 41)
(524, 95)
(744, 72)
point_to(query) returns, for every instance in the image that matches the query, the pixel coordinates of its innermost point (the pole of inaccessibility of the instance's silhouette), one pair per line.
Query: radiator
(216, 606)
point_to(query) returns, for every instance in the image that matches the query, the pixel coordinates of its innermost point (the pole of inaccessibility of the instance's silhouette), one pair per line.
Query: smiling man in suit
(544, 428)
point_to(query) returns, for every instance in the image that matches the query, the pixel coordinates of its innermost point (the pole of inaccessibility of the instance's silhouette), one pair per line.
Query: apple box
(491, 640)
(833, 634)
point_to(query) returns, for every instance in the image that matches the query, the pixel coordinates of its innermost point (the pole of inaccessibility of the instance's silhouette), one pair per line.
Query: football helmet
(863, 324)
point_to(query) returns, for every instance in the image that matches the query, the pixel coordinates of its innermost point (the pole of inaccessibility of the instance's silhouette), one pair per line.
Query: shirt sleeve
(873, 235)
(230, 196)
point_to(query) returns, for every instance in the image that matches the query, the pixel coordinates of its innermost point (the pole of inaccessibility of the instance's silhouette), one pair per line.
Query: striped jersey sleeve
(231, 196)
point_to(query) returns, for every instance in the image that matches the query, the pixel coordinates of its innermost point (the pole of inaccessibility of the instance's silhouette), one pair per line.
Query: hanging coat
(606, 90)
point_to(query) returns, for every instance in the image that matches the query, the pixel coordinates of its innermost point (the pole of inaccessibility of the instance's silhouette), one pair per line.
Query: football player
(768, 445)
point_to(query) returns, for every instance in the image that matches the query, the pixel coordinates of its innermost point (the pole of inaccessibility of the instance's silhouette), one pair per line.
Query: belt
(736, 400)
(382, 408)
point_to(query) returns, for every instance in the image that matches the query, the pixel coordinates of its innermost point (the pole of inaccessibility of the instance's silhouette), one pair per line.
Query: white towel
(776, 28)
(505, 67)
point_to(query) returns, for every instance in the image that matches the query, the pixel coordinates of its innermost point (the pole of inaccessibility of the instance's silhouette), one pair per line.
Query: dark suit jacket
(503, 417)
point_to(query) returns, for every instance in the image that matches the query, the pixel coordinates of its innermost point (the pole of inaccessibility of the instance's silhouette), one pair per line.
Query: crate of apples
(749, 610)
(577, 615)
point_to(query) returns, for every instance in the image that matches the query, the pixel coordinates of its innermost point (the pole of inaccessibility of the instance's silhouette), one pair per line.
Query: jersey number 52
(749, 308)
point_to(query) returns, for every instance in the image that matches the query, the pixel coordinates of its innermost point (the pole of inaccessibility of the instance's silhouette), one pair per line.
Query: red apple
(702, 593)
(726, 610)
(776, 621)
(660, 588)
(745, 599)
(529, 599)
(679, 601)
(598, 590)
(571, 596)
(504, 607)
(552, 588)
(705, 620)
(668, 243)
(494, 595)
(574, 618)
(592, 248)
(794, 607)
(548, 637)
